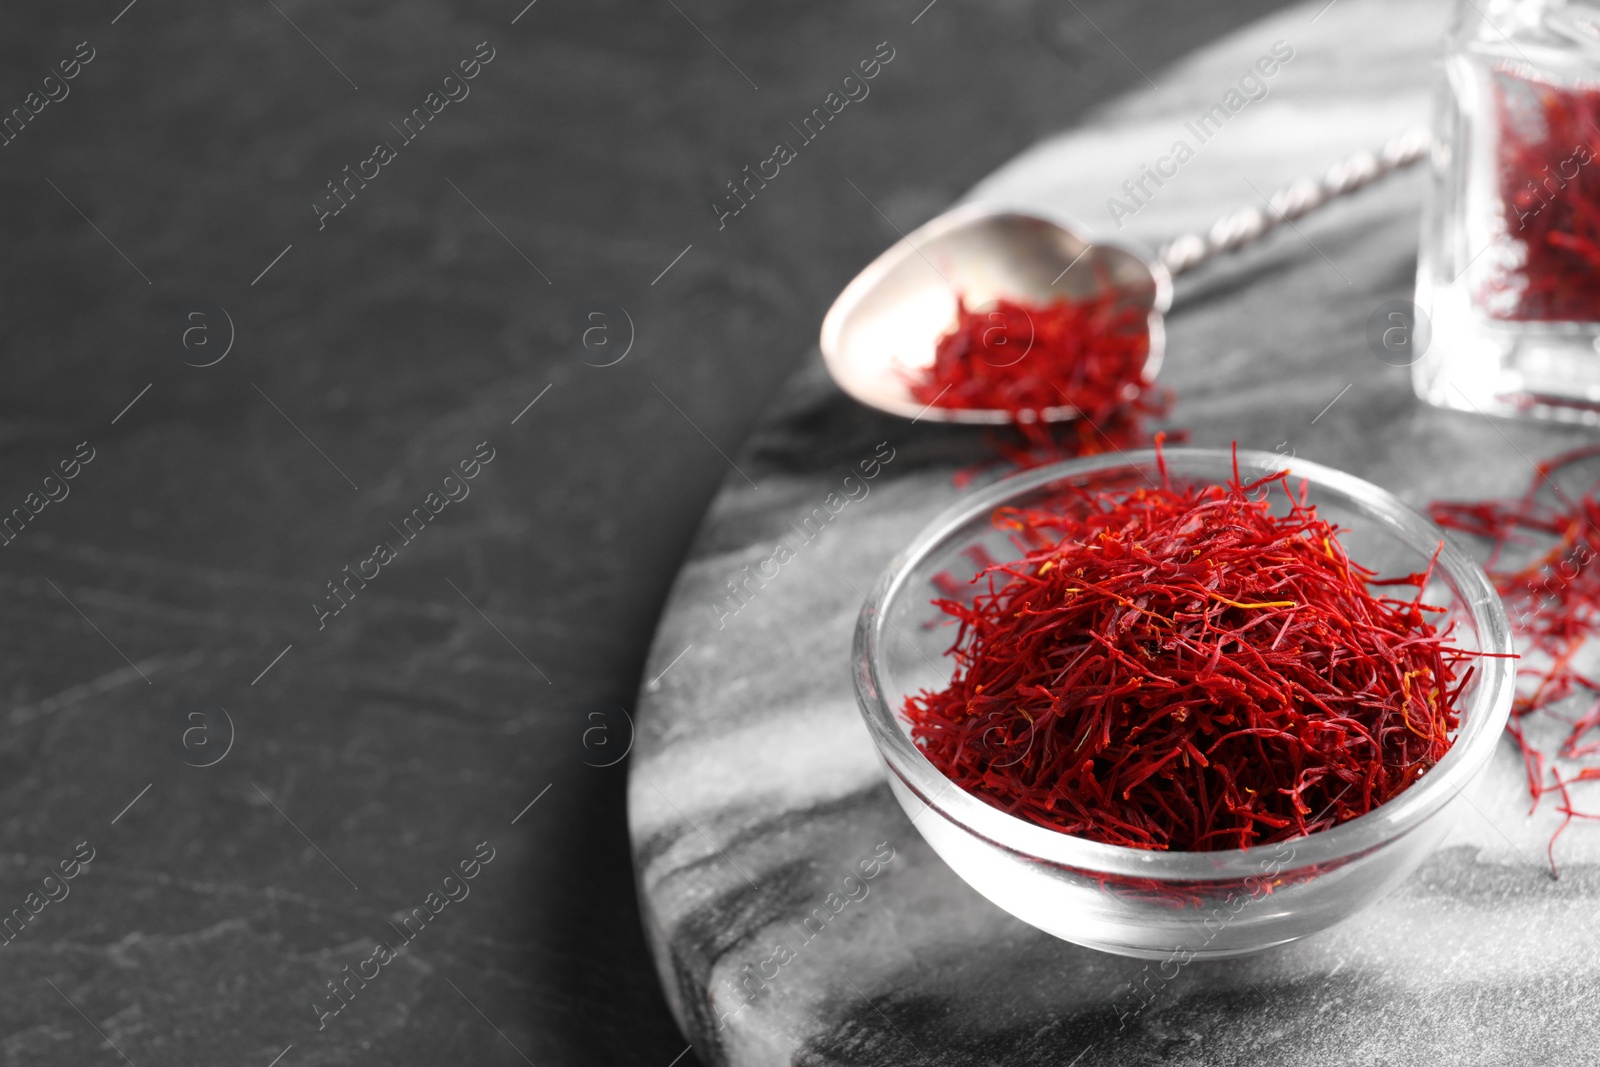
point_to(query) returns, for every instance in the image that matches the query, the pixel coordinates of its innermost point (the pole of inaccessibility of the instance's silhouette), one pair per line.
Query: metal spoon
(888, 320)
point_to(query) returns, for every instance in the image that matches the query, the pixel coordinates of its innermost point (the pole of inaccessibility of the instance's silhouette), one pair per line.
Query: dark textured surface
(397, 339)
(755, 786)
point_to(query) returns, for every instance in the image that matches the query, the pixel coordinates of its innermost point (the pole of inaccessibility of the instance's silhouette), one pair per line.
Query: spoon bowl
(886, 324)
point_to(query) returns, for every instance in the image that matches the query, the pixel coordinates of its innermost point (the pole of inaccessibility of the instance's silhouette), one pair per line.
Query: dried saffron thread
(1185, 669)
(1552, 598)
(1549, 181)
(1023, 358)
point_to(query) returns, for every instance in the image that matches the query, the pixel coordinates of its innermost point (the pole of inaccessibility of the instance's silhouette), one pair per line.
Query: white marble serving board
(755, 790)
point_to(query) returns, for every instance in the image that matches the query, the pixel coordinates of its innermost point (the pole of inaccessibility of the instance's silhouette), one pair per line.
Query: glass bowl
(1175, 905)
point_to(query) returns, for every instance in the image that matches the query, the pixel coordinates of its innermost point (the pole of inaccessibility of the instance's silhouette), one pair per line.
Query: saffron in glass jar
(1550, 186)
(1508, 274)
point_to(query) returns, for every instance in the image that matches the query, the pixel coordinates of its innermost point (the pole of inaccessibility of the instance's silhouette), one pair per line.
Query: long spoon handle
(1247, 224)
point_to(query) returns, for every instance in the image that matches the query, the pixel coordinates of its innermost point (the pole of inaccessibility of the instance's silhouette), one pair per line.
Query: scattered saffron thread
(1539, 559)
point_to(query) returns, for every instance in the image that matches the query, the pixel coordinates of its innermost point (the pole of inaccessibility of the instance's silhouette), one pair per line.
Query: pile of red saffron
(1023, 358)
(1549, 174)
(1552, 597)
(1185, 669)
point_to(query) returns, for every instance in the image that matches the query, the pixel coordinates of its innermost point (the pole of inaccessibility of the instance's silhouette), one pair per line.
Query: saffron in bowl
(1188, 668)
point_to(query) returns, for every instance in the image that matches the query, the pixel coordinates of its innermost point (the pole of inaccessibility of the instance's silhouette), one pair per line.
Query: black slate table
(178, 171)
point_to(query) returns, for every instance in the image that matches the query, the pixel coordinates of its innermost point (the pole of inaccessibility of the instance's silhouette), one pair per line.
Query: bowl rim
(1483, 716)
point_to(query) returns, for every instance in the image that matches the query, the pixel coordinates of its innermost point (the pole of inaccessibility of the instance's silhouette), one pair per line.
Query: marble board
(754, 789)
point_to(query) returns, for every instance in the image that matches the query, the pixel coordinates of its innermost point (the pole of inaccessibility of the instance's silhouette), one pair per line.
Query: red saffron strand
(1182, 668)
(1552, 598)
(1022, 358)
(1549, 180)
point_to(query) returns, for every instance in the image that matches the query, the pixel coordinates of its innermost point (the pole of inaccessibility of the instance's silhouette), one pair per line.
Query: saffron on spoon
(1089, 355)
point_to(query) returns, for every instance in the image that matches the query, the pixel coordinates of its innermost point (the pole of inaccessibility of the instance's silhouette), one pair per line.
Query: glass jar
(1509, 268)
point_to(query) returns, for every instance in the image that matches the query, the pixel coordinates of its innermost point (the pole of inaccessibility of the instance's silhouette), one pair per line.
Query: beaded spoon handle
(1247, 224)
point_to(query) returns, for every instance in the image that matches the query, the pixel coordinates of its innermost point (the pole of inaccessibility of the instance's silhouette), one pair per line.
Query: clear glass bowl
(1175, 905)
